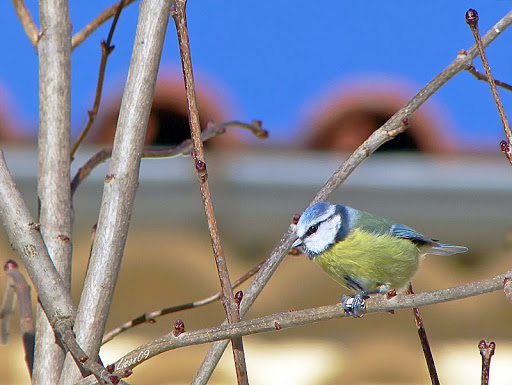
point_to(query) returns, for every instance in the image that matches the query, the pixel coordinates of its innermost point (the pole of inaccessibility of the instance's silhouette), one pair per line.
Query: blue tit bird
(363, 252)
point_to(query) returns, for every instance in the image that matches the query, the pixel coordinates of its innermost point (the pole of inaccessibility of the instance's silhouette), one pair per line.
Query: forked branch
(480, 76)
(109, 12)
(26, 21)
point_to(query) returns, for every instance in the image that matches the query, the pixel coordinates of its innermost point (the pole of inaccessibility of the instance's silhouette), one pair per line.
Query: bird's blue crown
(315, 211)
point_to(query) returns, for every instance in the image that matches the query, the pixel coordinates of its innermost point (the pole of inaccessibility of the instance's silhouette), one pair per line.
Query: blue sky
(275, 61)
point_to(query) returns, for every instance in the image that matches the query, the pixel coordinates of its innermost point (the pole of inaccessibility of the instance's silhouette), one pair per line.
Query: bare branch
(87, 365)
(120, 183)
(54, 52)
(26, 21)
(106, 50)
(480, 76)
(486, 351)
(280, 321)
(183, 148)
(472, 20)
(228, 300)
(151, 317)
(422, 334)
(379, 137)
(109, 12)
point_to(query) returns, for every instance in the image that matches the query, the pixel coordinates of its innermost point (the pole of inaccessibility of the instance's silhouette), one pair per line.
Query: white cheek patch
(324, 237)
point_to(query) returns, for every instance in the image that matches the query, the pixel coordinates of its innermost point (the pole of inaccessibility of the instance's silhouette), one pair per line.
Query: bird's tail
(446, 249)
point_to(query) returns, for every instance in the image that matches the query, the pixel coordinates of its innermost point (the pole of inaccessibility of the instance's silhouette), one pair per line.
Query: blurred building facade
(339, 121)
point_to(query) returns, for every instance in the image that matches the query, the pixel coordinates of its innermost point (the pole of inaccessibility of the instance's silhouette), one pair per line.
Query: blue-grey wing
(402, 231)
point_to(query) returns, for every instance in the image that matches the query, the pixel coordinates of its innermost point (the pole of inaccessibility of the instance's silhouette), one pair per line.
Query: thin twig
(472, 20)
(93, 237)
(486, 351)
(422, 334)
(183, 148)
(26, 21)
(284, 320)
(231, 308)
(151, 317)
(109, 12)
(480, 76)
(360, 154)
(106, 50)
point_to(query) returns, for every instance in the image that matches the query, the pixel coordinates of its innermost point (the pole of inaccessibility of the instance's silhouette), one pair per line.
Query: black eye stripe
(311, 230)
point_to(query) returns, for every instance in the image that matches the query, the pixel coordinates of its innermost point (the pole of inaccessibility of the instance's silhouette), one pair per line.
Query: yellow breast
(365, 261)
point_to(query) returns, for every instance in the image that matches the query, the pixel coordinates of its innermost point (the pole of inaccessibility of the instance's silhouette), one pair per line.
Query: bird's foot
(354, 305)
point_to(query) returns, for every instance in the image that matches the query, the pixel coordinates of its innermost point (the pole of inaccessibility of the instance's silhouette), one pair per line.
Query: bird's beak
(298, 242)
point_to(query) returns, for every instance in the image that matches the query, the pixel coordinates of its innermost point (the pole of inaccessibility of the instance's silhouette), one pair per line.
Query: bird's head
(318, 228)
